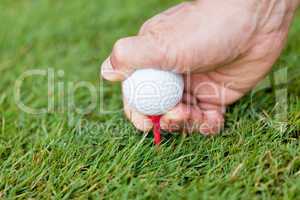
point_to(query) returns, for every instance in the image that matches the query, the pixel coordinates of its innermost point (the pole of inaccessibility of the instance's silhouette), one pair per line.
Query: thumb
(132, 53)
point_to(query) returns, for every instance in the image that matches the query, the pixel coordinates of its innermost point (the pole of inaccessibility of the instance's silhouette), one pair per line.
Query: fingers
(191, 118)
(158, 21)
(213, 122)
(175, 119)
(211, 89)
(132, 53)
(187, 118)
(140, 121)
(189, 99)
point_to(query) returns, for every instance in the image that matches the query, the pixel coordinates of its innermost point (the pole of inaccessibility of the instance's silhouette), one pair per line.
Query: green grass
(63, 154)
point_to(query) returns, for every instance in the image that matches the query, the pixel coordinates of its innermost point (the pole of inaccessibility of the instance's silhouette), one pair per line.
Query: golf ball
(153, 92)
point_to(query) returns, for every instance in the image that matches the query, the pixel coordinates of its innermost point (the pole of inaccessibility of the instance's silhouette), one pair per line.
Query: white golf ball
(153, 92)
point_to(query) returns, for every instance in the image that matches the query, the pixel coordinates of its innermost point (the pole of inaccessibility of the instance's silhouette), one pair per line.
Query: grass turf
(63, 154)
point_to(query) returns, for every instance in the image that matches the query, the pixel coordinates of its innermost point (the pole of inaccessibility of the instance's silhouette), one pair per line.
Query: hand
(224, 48)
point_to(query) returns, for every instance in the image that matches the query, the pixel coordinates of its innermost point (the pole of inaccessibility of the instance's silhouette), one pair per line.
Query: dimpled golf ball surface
(153, 92)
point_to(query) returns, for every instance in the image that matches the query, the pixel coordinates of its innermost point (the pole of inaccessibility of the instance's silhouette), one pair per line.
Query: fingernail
(107, 71)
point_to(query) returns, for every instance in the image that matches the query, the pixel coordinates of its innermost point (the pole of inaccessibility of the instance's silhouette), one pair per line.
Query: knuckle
(155, 23)
(161, 42)
(158, 42)
(169, 58)
(188, 6)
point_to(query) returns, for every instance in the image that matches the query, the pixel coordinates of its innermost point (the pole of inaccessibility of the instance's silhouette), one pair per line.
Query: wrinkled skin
(223, 48)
